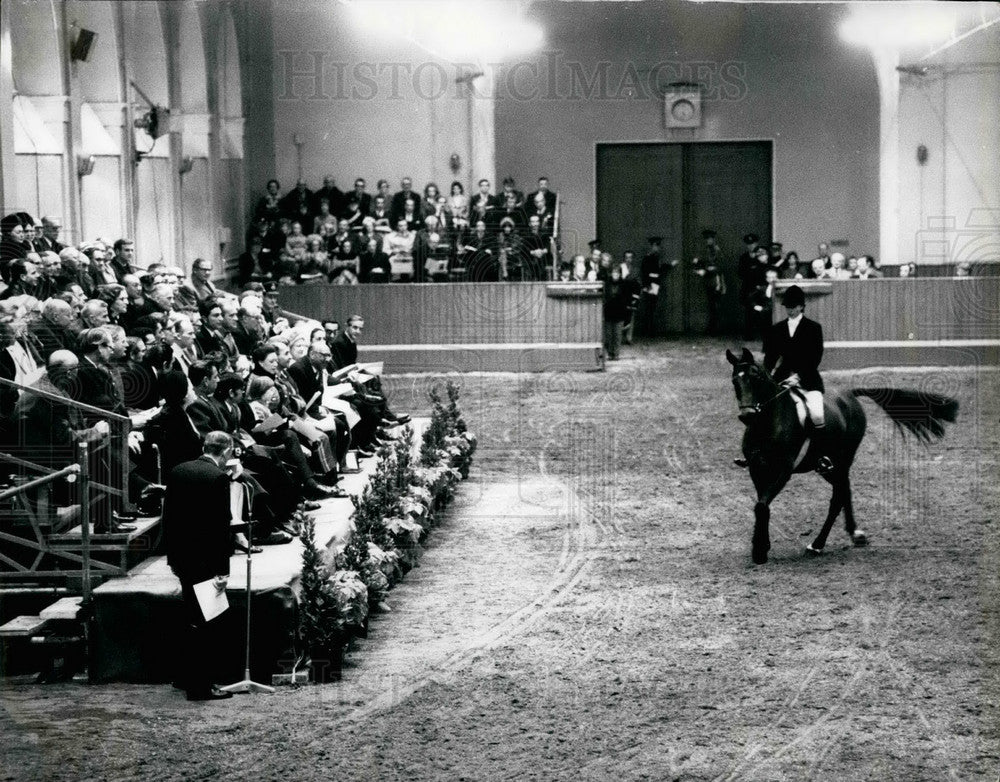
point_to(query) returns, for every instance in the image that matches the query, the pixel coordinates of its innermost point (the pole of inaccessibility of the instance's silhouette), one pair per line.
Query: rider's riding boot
(824, 464)
(740, 462)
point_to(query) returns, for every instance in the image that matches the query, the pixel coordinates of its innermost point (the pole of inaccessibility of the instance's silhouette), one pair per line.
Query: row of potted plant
(393, 515)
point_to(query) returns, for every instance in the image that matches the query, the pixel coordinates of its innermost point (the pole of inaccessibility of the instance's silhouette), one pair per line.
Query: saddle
(824, 464)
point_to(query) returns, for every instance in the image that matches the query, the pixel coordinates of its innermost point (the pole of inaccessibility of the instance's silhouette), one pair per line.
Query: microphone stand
(247, 684)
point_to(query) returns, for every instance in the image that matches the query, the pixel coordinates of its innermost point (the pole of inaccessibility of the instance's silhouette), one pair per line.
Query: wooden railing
(458, 313)
(890, 310)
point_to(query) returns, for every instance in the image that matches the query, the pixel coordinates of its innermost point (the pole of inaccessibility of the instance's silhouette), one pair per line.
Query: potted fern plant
(320, 622)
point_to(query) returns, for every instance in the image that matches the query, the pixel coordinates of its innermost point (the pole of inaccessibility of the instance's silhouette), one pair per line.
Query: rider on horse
(793, 349)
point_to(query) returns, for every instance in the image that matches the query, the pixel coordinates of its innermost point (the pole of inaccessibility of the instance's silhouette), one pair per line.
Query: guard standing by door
(650, 275)
(706, 266)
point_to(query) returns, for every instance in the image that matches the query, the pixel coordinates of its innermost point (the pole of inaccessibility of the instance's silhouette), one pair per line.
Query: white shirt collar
(793, 323)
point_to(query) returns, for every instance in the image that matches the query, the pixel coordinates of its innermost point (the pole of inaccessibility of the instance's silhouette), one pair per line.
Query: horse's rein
(761, 405)
(757, 408)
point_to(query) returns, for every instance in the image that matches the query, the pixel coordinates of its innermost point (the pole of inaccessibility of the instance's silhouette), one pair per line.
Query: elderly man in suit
(199, 288)
(53, 330)
(196, 521)
(311, 375)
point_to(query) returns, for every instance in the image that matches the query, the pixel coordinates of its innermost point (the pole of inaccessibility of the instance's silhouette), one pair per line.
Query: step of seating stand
(22, 627)
(65, 609)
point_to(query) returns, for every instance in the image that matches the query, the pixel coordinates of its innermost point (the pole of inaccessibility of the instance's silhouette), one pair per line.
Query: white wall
(396, 112)
(771, 71)
(950, 206)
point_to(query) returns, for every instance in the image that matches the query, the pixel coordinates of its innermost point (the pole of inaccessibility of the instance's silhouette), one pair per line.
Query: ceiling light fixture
(454, 30)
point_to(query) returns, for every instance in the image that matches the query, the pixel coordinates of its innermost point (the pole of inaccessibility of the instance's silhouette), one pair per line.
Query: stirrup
(824, 465)
(740, 462)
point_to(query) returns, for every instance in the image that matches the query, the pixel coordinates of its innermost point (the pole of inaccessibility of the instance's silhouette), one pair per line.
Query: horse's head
(751, 382)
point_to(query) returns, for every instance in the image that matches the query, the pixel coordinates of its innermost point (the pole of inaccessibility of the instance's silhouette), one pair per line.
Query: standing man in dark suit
(650, 272)
(364, 199)
(793, 349)
(548, 195)
(297, 204)
(746, 270)
(397, 207)
(483, 205)
(196, 519)
(713, 280)
(331, 194)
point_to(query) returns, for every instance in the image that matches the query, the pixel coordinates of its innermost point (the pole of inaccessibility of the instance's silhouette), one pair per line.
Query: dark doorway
(676, 191)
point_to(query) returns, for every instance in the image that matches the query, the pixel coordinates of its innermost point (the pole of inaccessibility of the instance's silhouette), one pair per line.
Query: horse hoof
(812, 551)
(859, 538)
(759, 557)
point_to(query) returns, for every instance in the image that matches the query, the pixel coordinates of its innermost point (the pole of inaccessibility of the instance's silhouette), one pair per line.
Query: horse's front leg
(769, 478)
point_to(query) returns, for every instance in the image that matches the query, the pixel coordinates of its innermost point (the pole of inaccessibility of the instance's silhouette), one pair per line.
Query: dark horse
(774, 443)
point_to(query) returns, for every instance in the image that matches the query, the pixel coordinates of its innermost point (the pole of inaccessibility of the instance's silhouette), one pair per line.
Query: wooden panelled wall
(905, 309)
(454, 313)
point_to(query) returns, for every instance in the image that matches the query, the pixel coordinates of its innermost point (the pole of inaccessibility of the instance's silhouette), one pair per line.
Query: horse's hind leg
(857, 535)
(840, 484)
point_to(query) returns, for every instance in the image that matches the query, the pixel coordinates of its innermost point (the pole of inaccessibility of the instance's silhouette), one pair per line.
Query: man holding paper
(326, 390)
(196, 520)
(344, 353)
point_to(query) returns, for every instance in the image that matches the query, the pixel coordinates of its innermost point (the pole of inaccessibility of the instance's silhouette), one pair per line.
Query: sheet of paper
(273, 421)
(338, 390)
(344, 407)
(211, 601)
(361, 377)
(142, 417)
(373, 368)
(343, 372)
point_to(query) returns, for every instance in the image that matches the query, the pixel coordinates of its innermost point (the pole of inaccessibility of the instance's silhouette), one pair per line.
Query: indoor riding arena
(505, 389)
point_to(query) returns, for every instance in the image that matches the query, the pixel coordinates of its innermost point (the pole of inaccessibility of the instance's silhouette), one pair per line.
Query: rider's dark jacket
(800, 354)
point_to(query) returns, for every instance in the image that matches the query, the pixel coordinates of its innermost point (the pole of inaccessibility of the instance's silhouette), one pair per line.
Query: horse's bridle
(757, 408)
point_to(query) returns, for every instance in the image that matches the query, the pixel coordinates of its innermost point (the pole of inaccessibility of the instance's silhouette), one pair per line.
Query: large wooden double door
(676, 191)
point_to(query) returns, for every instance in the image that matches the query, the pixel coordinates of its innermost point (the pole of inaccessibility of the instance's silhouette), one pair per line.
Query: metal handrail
(6, 457)
(107, 415)
(66, 400)
(73, 469)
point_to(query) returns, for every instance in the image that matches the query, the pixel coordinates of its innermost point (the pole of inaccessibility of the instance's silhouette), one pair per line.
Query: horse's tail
(922, 414)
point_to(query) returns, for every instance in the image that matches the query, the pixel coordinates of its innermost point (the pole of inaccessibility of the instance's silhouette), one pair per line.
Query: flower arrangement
(352, 597)
(391, 517)
(320, 617)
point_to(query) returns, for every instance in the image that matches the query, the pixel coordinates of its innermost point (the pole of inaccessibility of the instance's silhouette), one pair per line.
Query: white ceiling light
(456, 30)
(899, 25)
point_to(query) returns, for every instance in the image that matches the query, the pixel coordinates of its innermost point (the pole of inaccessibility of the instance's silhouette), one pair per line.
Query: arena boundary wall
(940, 321)
(466, 327)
